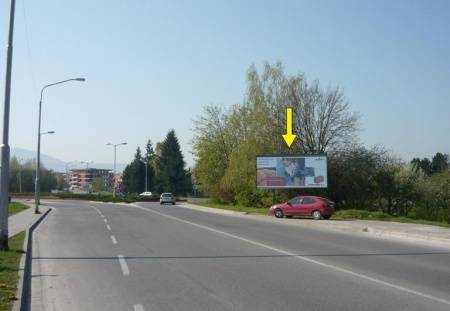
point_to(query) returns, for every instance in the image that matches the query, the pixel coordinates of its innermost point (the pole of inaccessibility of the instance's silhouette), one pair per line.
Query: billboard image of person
(291, 171)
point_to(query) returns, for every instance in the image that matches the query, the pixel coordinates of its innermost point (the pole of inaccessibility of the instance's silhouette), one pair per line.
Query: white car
(167, 198)
(146, 194)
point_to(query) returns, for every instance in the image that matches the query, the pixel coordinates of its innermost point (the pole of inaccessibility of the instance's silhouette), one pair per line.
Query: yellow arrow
(289, 137)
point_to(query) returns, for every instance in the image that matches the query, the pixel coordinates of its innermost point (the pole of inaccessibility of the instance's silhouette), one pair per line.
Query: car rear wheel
(278, 213)
(317, 215)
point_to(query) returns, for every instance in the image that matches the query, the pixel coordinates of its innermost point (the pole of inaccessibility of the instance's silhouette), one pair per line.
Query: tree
(133, 179)
(97, 184)
(170, 172)
(226, 142)
(439, 163)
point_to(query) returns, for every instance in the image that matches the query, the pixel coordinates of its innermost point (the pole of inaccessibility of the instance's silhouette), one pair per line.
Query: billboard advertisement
(280, 172)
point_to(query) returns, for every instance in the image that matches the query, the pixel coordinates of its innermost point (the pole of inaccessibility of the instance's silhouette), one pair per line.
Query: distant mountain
(58, 165)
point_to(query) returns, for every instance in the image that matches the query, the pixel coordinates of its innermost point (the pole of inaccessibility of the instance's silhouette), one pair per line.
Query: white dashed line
(138, 308)
(105, 220)
(123, 265)
(303, 258)
(108, 227)
(113, 239)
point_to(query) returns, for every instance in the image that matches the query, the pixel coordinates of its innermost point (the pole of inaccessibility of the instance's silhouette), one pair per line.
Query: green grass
(230, 207)
(15, 207)
(367, 215)
(9, 265)
(342, 214)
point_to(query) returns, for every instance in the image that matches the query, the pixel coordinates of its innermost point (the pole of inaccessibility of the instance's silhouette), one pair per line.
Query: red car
(316, 207)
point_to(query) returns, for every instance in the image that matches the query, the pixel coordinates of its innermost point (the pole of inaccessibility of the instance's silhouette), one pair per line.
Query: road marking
(113, 239)
(123, 265)
(300, 257)
(108, 227)
(105, 220)
(138, 308)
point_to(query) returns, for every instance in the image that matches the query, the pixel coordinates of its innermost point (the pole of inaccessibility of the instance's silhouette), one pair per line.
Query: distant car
(167, 198)
(313, 206)
(146, 194)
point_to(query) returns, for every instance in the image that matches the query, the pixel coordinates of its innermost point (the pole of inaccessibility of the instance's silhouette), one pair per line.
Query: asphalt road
(96, 256)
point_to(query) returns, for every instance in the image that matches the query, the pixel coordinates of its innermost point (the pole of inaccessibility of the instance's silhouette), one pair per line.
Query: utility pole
(4, 148)
(20, 175)
(114, 171)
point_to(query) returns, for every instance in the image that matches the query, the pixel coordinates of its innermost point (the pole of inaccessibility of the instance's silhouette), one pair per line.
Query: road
(97, 256)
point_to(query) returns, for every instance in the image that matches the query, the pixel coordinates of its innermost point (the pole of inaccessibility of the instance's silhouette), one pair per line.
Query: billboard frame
(288, 156)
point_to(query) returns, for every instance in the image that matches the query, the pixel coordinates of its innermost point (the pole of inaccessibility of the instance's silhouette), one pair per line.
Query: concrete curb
(24, 284)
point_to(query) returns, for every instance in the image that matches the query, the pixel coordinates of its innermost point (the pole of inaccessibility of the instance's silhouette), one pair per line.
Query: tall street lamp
(114, 171)
(145, 161)
(4, 147)
(38, 168)
(38, 161)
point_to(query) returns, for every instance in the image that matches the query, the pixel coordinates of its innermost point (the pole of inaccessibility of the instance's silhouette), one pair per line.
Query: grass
(367, 215)
(230, 207)
(9, 265)
(15, 207)
(341, 214)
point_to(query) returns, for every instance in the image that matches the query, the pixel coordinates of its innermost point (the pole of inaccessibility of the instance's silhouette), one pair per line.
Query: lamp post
(38, 161)
(38, 171)
(4, 148)
(20, 174)
(114, 171)
(145, 161)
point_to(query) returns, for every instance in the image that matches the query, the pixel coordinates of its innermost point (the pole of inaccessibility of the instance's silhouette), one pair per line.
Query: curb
(24, 284)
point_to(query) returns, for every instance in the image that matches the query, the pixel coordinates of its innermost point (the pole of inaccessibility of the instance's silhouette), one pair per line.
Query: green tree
(226, 142)
(439, 163)
(133, 179)
(97, 184)
(422, 164)
(170, 172)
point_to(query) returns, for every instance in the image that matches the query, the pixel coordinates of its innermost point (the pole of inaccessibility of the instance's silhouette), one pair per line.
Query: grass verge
(9, 266)
(367, 215)
(229, 207)
(341, 214)
(15, 207)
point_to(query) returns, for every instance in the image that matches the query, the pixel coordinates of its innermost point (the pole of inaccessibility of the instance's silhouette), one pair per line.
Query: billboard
(280, 172)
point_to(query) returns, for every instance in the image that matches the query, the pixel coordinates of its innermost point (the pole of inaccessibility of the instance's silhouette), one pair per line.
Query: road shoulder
(412, 233)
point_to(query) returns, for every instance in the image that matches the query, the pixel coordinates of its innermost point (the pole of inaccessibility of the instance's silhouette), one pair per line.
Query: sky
(150, 66)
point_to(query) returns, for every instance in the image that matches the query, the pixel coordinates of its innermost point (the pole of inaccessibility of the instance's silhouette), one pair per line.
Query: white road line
(105, 220)
(138, 308)
(108, 227)
(113, 239)
(303, 258)
(123, 265)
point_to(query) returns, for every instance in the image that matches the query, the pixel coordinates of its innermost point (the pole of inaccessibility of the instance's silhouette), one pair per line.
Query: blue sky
(151, 66)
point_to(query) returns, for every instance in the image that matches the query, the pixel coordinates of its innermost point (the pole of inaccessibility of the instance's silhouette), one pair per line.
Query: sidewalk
(23, 220)
(413, 233)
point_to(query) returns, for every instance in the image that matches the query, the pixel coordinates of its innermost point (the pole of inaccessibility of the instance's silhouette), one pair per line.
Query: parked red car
(316, 207)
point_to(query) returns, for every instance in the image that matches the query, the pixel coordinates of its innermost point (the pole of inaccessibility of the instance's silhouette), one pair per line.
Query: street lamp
(114, 171)
(4, 147)
(145, 161)
(37, 185)
(38, 167)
